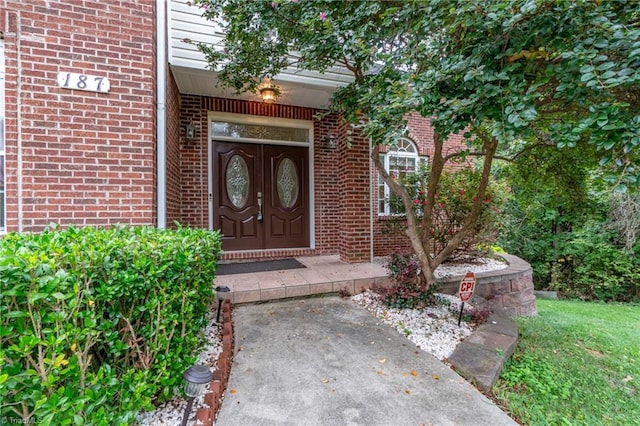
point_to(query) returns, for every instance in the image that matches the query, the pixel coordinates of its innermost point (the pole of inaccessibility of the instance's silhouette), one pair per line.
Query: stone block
(478, 364)
(501, 322)
(246, 296)
(344, 285)
(273, 293)
(518, 298)
(501, 343)
(553, 295)
(523, 283)
(320, 288)
(298, 290)
(360, 285)
(527, 310)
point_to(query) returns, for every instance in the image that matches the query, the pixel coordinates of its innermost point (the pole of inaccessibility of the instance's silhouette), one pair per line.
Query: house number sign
(90, 83)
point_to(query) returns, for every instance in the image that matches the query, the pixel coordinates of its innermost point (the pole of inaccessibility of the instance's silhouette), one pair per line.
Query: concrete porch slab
(323, 274)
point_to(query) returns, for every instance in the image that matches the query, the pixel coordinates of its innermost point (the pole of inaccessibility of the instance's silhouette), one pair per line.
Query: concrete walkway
(327, 361)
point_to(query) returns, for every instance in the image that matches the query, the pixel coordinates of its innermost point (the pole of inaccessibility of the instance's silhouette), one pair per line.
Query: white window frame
(405, 151)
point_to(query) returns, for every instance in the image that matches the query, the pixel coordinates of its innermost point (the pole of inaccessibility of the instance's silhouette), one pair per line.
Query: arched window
(401, 158)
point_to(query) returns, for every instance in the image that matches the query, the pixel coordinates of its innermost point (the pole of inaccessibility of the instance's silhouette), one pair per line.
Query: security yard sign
(467, 286)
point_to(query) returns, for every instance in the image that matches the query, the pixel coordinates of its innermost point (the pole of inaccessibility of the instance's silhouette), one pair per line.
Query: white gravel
(434, 329)
(480, 265)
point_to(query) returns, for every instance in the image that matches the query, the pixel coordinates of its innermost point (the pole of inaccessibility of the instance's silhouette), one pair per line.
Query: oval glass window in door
(287, 183)
(237, 177)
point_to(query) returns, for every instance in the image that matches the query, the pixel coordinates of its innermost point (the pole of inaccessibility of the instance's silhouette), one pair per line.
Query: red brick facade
(73, 156)
(88, 158)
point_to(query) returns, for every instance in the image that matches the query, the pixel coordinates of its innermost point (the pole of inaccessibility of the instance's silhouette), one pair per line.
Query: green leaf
(57, 295)
(604, 160)
(601, 44)
(620, 188)
(586, 77)
(15, 314)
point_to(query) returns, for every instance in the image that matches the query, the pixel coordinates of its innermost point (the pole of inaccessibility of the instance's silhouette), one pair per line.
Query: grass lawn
(577, 363)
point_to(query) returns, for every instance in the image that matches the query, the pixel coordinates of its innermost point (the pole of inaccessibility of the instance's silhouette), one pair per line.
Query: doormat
(261, 266)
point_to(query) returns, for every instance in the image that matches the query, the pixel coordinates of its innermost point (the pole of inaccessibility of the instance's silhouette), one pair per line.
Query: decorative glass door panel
(237, 168)
(260, 196)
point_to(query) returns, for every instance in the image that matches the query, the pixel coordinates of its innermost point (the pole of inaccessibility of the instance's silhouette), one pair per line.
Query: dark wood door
(237, 170)
(286, 198)
(260, 198)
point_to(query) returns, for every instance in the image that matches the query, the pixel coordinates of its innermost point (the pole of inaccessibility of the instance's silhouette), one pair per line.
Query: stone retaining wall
(508, 290)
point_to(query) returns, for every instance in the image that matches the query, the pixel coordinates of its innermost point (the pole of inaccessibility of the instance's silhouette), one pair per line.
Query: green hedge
(97, 324)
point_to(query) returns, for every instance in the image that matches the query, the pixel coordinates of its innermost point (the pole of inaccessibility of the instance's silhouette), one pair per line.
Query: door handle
(259, 207)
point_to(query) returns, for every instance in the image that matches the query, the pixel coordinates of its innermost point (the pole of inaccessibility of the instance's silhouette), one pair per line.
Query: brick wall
(342, 191)
(174, 136)
(193, 164)
(355, 199)
(328, 194)
(79, 157)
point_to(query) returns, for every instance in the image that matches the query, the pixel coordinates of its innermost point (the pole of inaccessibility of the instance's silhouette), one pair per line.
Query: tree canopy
(563, 74)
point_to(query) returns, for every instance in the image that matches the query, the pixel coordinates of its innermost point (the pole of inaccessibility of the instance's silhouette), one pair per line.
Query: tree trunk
(418, 230)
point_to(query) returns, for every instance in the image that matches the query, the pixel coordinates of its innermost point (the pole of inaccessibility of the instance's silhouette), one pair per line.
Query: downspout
(161, 113)
(372, 208)
(19, 200)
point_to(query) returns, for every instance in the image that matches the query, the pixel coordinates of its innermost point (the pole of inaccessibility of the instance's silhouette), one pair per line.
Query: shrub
(96, 324)
(409, 289)
(593, 268)
(452, 206)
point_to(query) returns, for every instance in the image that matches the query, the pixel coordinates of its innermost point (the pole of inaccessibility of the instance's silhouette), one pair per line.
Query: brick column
(354, 183)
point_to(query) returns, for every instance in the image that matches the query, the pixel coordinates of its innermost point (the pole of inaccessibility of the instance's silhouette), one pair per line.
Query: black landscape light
(222, 293)
(197, 378)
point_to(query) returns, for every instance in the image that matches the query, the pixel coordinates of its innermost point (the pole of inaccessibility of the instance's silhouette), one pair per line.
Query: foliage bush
(578, 255)
(593, 268)
(454, 199)
(96, 324)
(409, 288)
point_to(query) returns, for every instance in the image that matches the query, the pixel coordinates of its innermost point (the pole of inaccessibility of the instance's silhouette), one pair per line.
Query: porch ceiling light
(269, 94)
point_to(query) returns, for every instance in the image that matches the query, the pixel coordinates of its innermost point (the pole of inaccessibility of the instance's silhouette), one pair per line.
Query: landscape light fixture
(197, 377)
(222, 293)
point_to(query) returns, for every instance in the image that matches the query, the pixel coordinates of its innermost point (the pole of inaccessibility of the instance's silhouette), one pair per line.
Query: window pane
(287, 183)
(237, 177)
(256, 131)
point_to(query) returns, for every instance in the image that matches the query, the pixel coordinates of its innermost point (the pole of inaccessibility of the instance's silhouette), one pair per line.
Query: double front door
(260, 198)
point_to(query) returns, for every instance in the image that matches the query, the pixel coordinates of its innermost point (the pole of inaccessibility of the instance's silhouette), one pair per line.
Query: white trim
(3, 149)
(385, 162)
(266, 121)
(161, 114)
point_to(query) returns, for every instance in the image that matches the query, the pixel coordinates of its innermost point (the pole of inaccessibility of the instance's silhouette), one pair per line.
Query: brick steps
(213, 398)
